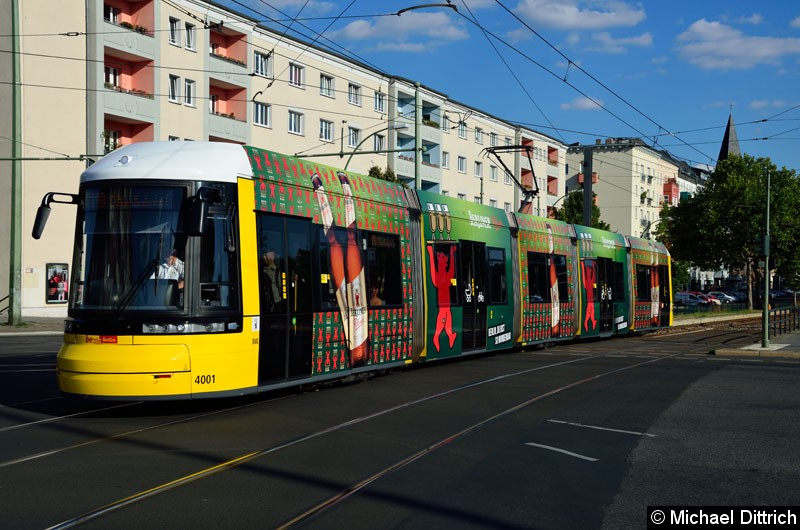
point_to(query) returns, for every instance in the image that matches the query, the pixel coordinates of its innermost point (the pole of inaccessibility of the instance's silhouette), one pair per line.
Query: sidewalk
(786, 345)
(32, 326)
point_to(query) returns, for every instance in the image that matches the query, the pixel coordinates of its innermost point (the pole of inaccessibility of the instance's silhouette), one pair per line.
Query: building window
(507, 206)
(174, 88)
(326, 130)
(213, 103)
(188, 94)
(295, 122)
(507, 178)
(379, 143)
(111, 14)
(174, 138)
(462, 164)
(189, 43)
(445, 160)
(261, 64)
(174, 31)
(326, 85)
(445, 123)
(462, 130)
(296, 74)
(112, 76)
(445, 193)
(479, 169)
(493, 203)
(478, 135)
(476, 199)
(493, 139)
(462, 196)
(110, 140)
(262, 114)
(354, 94)
(380, 102)
(493, 173)
(353, 136)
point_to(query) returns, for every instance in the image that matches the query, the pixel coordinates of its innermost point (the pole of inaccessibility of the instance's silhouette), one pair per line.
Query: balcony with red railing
(117, 133)
(552, 156)
(595, 178)
(136, 16)
(228, 45)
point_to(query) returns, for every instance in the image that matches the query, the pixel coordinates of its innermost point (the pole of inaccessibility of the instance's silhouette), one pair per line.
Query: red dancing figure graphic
(442, 275)
(347, 270)
(588, 271)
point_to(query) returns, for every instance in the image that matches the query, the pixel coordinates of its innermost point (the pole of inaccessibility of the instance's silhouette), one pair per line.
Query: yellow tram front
(156, 301)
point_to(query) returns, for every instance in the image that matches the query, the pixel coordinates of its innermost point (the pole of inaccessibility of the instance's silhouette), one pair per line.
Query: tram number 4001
(205, 379)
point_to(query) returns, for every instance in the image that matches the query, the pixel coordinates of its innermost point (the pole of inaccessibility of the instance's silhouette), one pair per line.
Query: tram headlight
(185, 328)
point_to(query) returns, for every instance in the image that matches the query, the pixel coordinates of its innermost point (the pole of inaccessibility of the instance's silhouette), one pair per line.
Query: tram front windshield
(130, 249)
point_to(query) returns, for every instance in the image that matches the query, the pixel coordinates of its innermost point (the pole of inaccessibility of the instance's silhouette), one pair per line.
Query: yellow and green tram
(210, 269)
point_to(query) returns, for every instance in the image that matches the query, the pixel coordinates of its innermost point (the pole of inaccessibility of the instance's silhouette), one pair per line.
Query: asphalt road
(581, 435)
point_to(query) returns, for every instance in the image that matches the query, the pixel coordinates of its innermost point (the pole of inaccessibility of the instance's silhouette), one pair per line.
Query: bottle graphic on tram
(347, 270)
(356, 286)
(555, 313)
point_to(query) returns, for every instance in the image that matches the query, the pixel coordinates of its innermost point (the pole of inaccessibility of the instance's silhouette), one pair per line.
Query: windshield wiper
(150, 268)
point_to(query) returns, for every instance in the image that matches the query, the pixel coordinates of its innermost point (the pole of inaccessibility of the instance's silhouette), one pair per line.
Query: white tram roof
(209, 161)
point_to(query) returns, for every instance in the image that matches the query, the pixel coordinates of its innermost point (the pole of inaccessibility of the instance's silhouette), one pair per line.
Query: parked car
(707, 298)
(725, 298)
(688, 299)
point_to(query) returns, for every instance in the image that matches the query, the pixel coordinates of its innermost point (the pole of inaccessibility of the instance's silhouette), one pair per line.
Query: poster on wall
(57, 287)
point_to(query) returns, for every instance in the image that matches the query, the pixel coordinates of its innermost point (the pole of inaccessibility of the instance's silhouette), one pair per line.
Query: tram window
(497, 276)
(560, 262)
(642, 283)
(219, 260)
(384, 269)
(332, 254)
(619, 282)
(538, 274)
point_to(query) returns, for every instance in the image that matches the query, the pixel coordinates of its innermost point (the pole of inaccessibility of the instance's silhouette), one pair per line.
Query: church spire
(730, 142)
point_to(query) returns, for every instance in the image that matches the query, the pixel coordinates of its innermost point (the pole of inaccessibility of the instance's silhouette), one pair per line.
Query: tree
(572, 211)
(721, 225)
(387, 175)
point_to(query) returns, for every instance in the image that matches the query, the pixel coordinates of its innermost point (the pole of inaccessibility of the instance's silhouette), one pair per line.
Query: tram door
(284, 246)
(607, 296)
(663, 294)
(473, 294)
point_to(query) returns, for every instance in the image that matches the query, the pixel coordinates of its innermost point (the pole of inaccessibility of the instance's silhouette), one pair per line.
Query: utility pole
(765, 303)
(15, 261)
(587, 186)
(417, 137)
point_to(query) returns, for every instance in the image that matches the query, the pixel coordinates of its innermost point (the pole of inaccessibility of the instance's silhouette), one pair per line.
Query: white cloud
(758, 104)
(581, 14)
(754, 19)
(409, 32)
(610, 44)
(582, 103)
(716, 46)
(795, 23)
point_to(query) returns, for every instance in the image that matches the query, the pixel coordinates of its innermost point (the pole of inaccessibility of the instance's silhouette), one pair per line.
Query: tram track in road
(252, 456)
(218, 462)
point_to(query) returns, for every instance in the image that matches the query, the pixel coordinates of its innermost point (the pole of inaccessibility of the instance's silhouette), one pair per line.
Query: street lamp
(394, 127)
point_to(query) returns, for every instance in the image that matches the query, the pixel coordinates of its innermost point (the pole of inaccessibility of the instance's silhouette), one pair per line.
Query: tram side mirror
(43, 212)
(197, 210)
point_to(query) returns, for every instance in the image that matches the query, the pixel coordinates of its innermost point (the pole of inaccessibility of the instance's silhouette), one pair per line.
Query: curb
(773, 351)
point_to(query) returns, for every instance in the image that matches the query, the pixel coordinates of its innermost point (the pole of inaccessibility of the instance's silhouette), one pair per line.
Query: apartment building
(632, 181)
(106, 73)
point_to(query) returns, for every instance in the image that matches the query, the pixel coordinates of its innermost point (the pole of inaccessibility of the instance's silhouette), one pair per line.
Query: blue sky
(577, 70)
